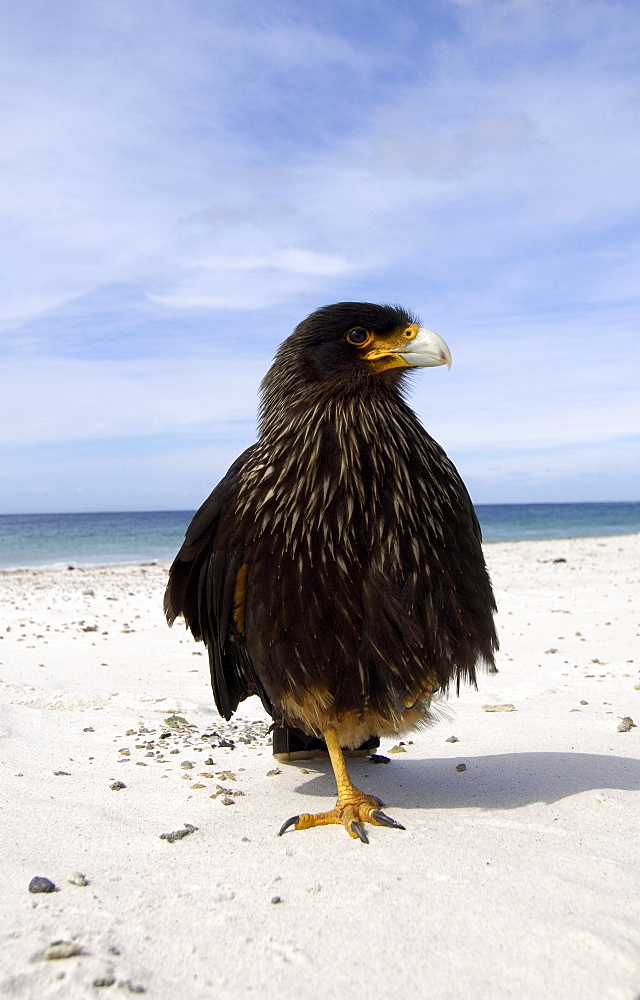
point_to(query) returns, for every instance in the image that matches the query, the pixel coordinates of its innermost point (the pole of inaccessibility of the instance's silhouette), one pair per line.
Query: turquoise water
(102, 539)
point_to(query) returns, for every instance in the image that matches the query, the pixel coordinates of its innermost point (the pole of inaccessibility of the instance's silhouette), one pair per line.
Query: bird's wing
(206, 587)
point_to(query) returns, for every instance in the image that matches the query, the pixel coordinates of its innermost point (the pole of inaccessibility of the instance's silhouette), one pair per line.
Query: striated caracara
(336, 570)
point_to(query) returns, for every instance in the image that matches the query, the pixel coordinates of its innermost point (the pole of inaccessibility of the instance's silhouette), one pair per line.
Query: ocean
(31, 540)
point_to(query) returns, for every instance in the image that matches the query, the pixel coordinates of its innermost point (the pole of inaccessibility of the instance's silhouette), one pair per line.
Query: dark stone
(41, 884)
(179, 834)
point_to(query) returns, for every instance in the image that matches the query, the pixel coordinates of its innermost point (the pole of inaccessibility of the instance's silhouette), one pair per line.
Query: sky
(183, 181)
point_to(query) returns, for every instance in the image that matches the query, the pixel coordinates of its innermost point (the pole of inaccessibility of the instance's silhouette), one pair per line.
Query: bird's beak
(426, 350)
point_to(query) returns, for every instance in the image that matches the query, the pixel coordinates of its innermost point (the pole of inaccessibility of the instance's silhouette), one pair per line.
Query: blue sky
(182, 181)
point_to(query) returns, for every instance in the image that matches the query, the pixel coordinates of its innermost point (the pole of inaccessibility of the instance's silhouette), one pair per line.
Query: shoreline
(70, 566)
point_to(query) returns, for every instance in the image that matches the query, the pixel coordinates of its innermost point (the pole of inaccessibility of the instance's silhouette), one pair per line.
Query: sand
(518, 876)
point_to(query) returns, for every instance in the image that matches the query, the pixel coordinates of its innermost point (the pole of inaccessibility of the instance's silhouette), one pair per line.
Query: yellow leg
(353, 807)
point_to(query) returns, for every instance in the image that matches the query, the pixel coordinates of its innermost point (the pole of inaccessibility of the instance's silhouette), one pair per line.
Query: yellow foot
(349, 812)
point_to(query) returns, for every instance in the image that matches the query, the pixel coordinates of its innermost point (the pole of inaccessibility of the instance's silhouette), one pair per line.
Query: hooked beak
(426, 350)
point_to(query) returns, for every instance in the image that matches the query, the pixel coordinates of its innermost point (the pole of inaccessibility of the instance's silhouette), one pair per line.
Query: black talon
(379, 801)
(385, 820)
(290, 822)
(359, 829)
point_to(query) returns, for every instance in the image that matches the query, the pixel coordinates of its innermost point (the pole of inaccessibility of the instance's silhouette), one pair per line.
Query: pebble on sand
(62, 949)
(498, 708)
(179, 834)
(117, 785)
(78, 878)
(178, 722)
(41, 884)
(626, 725)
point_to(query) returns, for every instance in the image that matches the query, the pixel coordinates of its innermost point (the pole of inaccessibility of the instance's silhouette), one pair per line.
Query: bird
(336, 571)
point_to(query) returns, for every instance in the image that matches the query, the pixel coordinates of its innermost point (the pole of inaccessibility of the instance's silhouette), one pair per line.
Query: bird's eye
(357, 335)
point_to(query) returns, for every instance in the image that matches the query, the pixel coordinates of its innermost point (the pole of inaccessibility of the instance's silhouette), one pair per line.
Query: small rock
(187, 764)
(227, 743)
(560, 560)
(303, 770)
(626, 725)
(396, 749)
(209, 762)
(452, 739)
(378, 758)
(104, 981)
(178, 834)
(584, 702)
(41, 884)
(498, 708)
(117, 785)
(178, 722)
(461, 767)
(88, 729)
(228, 801)
(62, 949)
(78, 878)
(271, 774)
(276, 899)
(66, 774)
(126, 984)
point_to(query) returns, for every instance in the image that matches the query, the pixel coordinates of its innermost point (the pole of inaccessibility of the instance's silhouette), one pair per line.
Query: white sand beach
(518, 876)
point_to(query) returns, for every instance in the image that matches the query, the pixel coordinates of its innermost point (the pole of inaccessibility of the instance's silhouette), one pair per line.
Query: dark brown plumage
(336, 570)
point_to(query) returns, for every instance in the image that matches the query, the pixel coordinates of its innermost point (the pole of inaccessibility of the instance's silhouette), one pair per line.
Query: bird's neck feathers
(295, 398)
(321, 448)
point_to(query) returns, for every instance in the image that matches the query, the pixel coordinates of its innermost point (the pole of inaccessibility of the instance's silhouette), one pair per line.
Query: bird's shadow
(494, 781)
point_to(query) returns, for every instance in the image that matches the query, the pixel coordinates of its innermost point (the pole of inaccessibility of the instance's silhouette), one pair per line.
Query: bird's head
(355, 340)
